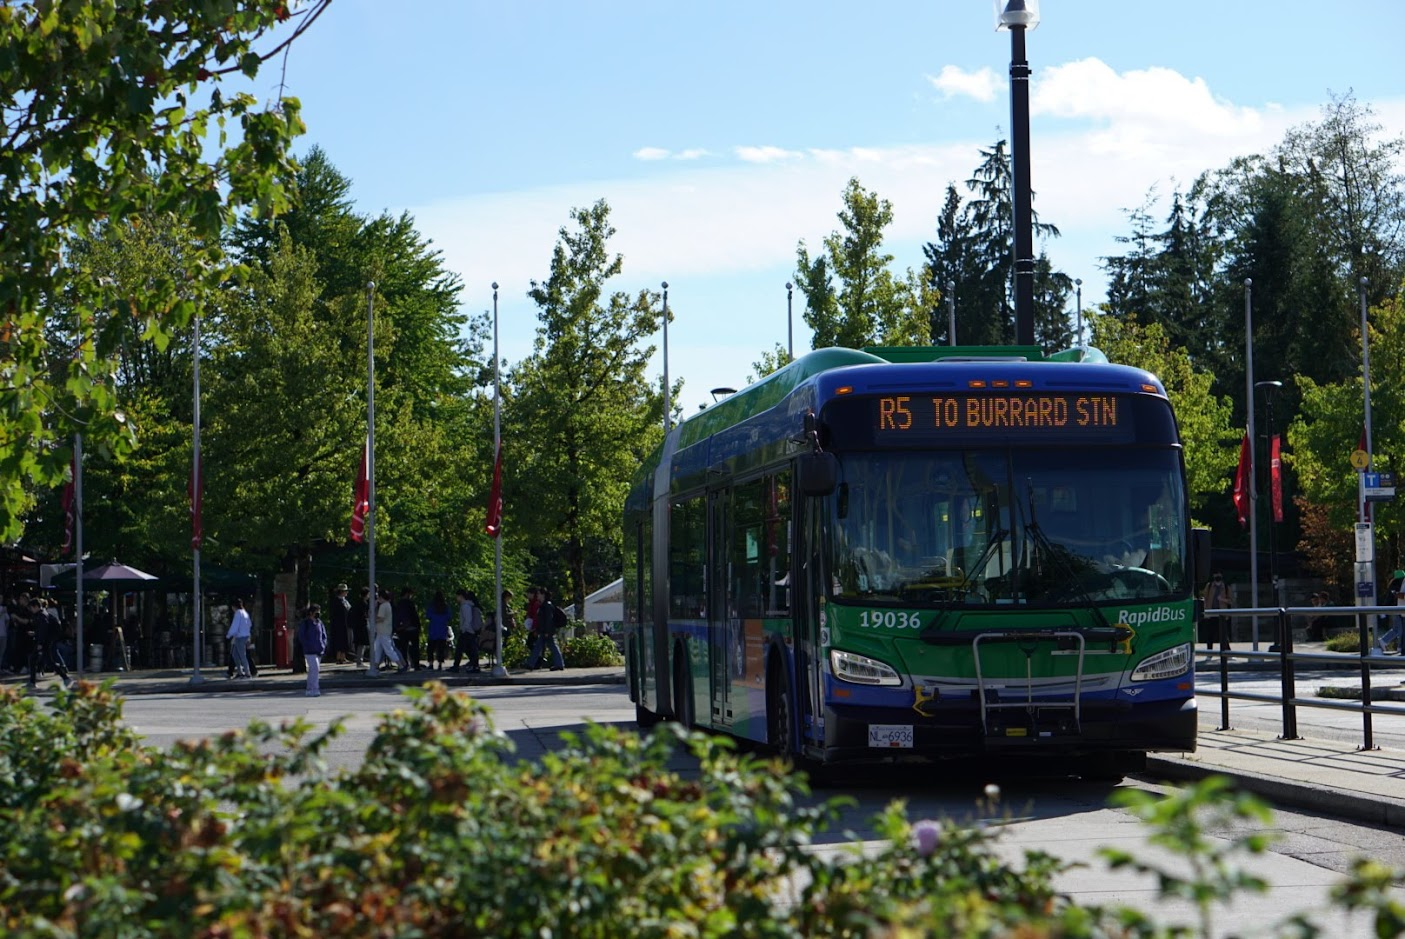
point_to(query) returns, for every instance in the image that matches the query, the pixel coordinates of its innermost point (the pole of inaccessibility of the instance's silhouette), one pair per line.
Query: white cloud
(766, 154)
(694, 153)
(954, 81)
(651, 153)
(724, 236)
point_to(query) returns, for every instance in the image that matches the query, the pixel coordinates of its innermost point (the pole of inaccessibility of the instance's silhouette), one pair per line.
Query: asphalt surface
(1324, 768)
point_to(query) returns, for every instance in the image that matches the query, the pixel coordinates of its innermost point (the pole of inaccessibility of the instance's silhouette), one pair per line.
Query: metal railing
(1288, 660)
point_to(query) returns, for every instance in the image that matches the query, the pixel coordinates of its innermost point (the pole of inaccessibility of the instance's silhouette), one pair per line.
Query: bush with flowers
(441, 832)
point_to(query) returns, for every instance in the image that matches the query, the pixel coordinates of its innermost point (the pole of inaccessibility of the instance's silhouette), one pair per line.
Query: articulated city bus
(919, 554)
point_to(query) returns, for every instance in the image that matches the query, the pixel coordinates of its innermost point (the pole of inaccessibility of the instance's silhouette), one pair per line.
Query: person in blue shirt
(313, 636)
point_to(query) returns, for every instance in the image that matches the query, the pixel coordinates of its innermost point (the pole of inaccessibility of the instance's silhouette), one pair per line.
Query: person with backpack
(548, 621)
(470, 628)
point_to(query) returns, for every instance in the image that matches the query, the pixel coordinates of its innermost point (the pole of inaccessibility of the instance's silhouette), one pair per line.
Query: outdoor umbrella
(110, 574)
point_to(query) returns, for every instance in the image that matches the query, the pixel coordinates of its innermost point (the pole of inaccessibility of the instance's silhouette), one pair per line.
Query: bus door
(808, 571)
(723, 627)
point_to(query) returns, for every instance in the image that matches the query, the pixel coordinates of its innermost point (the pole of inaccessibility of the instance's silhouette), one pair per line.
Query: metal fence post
(1285, 657)
(1225, 625)
(1365, 639)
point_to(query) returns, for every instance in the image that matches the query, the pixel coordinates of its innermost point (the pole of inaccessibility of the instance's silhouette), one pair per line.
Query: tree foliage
(1202, 417)
(972, 260)
(584, 414)
(101, 122)
(852, 297)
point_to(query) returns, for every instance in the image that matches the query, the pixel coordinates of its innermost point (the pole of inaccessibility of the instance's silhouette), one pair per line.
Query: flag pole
(371, 464)
(1253, 445)
(78, 545)
(195, 496)
(499, 668)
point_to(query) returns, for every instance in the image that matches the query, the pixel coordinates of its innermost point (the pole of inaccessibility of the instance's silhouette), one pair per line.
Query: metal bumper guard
(1028, 720)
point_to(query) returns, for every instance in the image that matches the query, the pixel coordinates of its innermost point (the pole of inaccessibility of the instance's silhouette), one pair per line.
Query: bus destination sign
(966, 418)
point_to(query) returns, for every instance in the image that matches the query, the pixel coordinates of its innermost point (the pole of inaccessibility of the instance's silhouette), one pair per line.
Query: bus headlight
(861, 670)
(1166, 664)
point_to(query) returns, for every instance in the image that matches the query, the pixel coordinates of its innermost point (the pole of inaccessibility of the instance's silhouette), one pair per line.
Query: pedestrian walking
(383, 646)
(437, 616)
(549, 621)
(241, 630)
(361, 626)
(313, 634)
(43, 634)
(407, 627)
(470, 628)
(339, 620)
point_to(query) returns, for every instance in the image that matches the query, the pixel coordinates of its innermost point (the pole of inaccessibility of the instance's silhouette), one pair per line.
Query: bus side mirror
(1199, 556)
(818, 473)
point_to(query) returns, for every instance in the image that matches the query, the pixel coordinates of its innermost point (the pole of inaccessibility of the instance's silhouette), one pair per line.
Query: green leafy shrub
(1346, 641)
(591, 650)
(440, 833)
(515, 649)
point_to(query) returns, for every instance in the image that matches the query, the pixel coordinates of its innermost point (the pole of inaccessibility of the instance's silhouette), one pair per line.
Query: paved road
(1068, 818)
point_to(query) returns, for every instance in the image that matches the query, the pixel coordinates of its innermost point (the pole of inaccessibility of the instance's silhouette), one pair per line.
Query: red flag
(1275, 478)
(361, 496)
(1241, 483)
(67, 502)
(494, 524)
(196, 491)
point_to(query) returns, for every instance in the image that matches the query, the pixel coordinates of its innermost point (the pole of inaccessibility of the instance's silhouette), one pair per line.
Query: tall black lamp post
(1018, 16)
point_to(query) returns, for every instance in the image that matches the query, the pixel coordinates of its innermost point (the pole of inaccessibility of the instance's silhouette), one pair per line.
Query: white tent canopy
(605, 605)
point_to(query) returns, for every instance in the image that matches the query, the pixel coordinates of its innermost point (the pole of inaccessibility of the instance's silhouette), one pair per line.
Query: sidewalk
(1310, 774)
(332, 678)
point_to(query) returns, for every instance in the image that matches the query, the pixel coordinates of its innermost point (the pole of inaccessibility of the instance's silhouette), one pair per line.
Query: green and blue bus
(915, 554)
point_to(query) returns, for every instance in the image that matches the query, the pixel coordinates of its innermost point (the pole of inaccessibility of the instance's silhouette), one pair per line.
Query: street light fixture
(1018, 16)
(789, 321)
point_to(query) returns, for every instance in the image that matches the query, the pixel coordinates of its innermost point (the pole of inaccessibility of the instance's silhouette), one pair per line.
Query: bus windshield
(1027, 527)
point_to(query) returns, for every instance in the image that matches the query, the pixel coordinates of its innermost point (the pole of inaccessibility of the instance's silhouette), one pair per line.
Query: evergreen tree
(974, 254)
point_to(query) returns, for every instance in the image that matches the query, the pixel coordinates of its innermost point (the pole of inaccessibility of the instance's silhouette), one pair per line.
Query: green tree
(1329, 424)
(584, 414)
(869, 305)
(433, 424)
(973, 258)
(97, 99)
(1202, 417)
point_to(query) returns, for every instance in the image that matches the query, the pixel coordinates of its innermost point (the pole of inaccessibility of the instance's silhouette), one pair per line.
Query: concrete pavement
(1316, 774)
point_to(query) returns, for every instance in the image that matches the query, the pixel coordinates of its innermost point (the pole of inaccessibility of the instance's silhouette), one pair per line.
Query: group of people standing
(389, 633)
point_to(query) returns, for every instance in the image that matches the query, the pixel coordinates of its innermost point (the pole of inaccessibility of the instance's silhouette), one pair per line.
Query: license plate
(890, 735)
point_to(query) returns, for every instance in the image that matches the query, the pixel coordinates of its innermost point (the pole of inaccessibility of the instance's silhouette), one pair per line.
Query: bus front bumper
(870, 734)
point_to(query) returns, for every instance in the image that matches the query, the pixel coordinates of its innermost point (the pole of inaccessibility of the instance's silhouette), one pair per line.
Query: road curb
(1353, 806)
(333, 684)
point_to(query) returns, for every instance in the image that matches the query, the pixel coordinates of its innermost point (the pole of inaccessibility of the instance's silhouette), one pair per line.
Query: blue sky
(723, 133)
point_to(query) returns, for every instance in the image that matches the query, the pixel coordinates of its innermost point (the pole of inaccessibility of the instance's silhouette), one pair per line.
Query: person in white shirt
(241, 630)
(383, 645)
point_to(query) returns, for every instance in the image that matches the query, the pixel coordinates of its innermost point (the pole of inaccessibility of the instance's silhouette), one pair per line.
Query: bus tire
(780, 714)
(644, 717)
(683, 709)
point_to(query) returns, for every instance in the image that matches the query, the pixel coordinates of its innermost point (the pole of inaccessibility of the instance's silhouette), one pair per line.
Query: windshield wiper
(1052, 553)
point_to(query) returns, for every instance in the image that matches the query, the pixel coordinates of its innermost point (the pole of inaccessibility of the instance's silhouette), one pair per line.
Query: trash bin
(95, 657)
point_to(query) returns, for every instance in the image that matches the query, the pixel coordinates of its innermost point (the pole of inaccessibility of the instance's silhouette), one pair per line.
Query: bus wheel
(780, 715)
(644, 717)
(683, 710)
